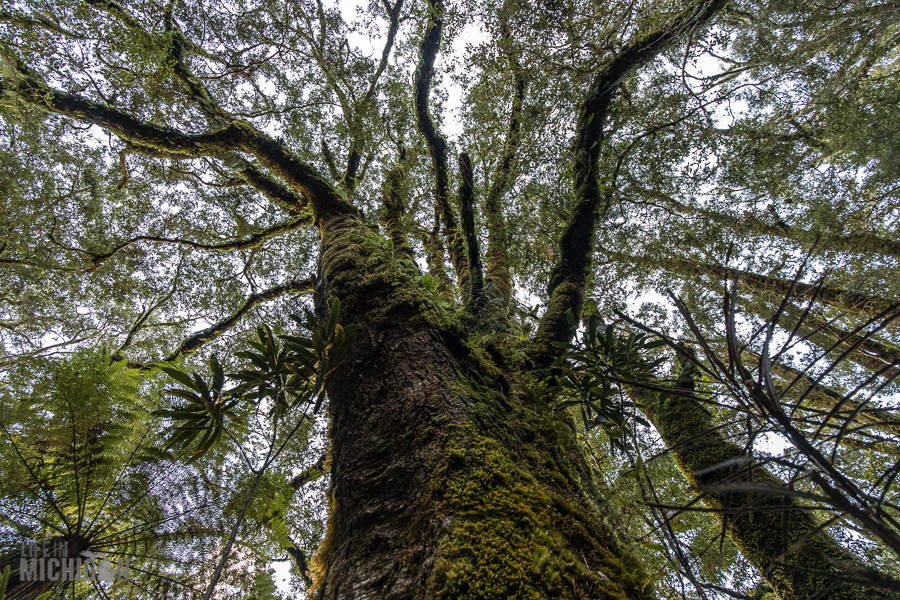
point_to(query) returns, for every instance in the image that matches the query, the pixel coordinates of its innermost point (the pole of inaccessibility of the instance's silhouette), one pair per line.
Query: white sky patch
(471, 35)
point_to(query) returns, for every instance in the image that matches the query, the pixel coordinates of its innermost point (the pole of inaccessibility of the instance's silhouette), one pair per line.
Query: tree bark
(448, 480)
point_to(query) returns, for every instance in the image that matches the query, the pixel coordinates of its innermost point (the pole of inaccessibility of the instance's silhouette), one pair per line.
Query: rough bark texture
(448, 480)
(786, 543)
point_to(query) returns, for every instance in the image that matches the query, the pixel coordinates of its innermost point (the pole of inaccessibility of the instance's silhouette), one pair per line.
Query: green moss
(519, 523)
(375, 287)
(502, 542)
(555, 324)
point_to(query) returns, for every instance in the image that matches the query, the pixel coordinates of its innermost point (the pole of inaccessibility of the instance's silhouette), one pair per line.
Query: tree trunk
(448, 478)
(792, 551)
(19, 589)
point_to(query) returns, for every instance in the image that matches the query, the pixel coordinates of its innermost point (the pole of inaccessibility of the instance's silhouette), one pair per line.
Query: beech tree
(180, 177)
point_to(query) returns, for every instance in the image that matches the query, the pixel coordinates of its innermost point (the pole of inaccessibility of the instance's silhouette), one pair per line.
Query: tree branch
(293, 203)
(566, 286)
(17, 17)
(20, 84)
(497, 267)
(310, 474)
(121, 14)
(434, 252)
(859, 242)
(329, 161)
(475, 293)
(726, 473)
(437, 146)
(301, 562)
(864, 351)
(354, 156)
(823, 398)
(777, 286)
(394, 204)
(254, 241)
(196, 341)
(117, 355)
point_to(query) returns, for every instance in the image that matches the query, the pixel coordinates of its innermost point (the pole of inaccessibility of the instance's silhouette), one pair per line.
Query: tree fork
(443, 485)
(27, 86)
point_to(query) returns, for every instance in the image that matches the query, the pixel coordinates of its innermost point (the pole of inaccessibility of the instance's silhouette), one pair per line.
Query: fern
(80, 460)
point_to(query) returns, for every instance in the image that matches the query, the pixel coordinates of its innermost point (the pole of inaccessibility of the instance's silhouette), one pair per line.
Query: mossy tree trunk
(790, 548)
(449, 479)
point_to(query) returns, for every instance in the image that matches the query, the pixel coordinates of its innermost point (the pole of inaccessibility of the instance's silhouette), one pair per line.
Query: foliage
(286, 377)
(592, 376)
(81, 459)
(279, 379)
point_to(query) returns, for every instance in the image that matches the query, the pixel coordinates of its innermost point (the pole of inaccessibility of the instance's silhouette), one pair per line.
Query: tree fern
(82, 462)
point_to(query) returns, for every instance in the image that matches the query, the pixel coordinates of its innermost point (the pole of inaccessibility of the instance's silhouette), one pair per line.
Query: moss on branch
(466, 198)
(20, 84)
(791, 549)
(437, 145)
(592, 197)
(496, 258)
(393, 203)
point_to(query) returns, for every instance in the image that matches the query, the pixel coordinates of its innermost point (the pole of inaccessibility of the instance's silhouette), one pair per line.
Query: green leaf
(202, 387)
(179, 376)
(333, 317)
(218, 374)
(654, 546)
(185, 394)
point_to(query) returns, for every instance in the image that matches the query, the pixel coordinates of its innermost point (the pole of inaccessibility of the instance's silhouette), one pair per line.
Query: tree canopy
(676, 220)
